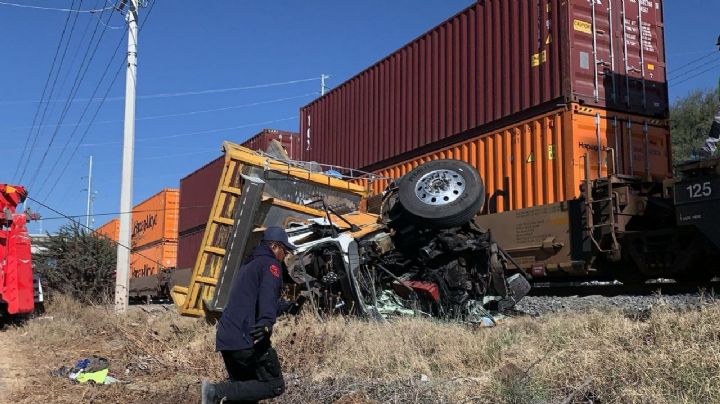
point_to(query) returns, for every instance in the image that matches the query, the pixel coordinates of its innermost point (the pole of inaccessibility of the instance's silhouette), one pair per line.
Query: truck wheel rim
(440, 187)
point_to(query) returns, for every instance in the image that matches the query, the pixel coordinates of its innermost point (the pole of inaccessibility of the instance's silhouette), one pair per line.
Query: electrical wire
(714, 52)
(185, 134)
(42, 97)
(67, 10)
(223, 90)
(188, 113)
(25, 161)
(42, 120)
(87, 129)
(122, 213)
(85, 110)
(169, 95)
(147, 15)
(95, 232)
(79, 77)
(102, 101)
(696, 68)
(696, 75)
(204, 111)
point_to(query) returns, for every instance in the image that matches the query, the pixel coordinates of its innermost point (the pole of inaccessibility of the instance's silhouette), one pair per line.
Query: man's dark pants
(254, 375)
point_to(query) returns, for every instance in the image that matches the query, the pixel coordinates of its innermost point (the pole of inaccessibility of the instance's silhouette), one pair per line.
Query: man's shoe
(207, 393)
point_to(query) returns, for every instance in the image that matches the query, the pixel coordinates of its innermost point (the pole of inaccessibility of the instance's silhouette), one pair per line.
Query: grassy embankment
(670, 357)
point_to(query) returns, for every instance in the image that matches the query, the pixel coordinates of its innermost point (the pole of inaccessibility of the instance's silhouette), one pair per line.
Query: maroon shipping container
(197, 193)
(494, 63)
(289, 140)
(188, 247)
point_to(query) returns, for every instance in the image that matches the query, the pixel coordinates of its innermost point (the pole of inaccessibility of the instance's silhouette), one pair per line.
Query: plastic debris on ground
(93, 370)
(478, 315)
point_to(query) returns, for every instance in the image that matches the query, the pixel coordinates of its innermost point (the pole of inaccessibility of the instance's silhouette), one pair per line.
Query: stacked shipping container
(542, 160)
(290, 141)
(500, 80)
(154, 233)
(111, 229)
(197, 192)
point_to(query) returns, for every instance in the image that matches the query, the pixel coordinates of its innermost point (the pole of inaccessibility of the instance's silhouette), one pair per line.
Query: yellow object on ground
(96, 377)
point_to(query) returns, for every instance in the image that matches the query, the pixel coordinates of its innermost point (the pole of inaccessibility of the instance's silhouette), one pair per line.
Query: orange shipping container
(110, 229)
(542, 160)
(150, 259)
(156, 219)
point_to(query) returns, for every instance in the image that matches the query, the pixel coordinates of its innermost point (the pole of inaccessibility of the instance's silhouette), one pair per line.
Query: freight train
(562, 108)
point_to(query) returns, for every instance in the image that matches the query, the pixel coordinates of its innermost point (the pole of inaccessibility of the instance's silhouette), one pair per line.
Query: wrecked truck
(412, 250)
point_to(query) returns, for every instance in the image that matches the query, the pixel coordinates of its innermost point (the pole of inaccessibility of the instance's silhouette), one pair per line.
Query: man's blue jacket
(254, 299)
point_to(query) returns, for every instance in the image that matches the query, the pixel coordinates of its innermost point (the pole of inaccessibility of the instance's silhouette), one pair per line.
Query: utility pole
(89, 196)
(322, 83)
(123, 254)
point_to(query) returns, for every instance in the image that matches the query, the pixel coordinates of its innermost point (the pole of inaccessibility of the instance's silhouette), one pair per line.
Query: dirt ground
(14, 365)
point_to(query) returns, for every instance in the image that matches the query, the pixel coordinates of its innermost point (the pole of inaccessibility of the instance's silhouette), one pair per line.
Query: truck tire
(442, 193)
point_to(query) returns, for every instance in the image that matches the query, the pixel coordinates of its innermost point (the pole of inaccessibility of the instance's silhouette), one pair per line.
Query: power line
(26, 161)
(170, 95)
(67, 10)
(196, 112)
(174, 136)
(79, 77)
(121, 213)
(102, 101)
(85, 110)
(714, 52)
(42, 97)
(147, 15)
(204, 111)
(695, 75)
(42, 118)
(95, 232)
(202, 132)
(87, 129)
(696, 68)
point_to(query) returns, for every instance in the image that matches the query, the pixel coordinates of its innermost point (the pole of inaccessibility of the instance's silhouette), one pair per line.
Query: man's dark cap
(278, 234)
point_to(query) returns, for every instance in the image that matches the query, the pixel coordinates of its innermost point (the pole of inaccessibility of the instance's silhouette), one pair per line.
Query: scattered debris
(93, 370)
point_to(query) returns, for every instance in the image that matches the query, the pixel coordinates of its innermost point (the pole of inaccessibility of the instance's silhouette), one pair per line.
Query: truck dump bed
(254, 191)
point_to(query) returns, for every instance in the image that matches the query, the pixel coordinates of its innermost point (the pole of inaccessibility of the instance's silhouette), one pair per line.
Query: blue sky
(193, 46)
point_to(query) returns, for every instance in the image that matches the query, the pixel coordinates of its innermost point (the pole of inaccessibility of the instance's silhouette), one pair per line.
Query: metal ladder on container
(606, 208)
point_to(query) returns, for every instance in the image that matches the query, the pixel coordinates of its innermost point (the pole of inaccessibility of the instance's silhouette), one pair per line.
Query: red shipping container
(494, 63)
(197, 193)
(289, 140)
(188, 247)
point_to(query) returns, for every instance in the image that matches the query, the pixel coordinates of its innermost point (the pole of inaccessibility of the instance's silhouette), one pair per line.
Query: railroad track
(618, 289)
(636, 301)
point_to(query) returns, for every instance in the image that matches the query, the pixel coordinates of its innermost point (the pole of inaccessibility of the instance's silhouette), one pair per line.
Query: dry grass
(672, 357)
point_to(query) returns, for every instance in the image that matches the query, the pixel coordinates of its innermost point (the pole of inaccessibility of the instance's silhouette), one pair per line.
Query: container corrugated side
(188, 248)
(289, 140)
(156, 218)
(110, 229)
(494, 63)
(542, 160)
(197, 192)
(150, 259)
